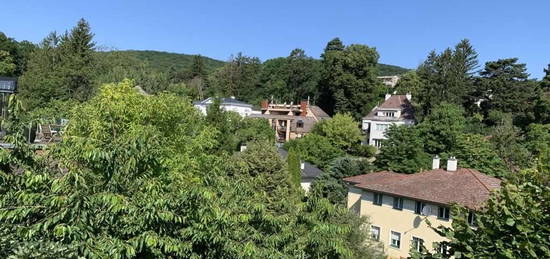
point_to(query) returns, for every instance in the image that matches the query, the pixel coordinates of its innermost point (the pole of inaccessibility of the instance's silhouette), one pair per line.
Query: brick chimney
(264, 104)
(303, 107)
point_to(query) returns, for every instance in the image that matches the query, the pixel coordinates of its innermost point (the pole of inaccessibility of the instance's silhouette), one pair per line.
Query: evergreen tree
(506, 87)
(545, 82)
(198, 68)
(448, 77)
(293, 163)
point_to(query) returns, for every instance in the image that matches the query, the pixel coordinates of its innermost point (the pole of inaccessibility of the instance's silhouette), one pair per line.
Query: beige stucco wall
(403, 221)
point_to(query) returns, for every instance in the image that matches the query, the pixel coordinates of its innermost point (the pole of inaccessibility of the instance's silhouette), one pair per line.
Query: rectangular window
(443, 213)
(418, 207)
(377, 199)
(398, 203)
(300, 124)
(389, 114)
(417, 244)
(377, 143)
(381, 127)
(443, 249)
(395, 239)
(375, 233)
(472, 219)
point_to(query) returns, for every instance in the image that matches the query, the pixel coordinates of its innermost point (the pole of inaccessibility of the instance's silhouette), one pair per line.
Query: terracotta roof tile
(467, 187)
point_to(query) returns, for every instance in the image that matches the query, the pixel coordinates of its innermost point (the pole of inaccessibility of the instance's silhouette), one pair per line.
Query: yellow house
(398, 205)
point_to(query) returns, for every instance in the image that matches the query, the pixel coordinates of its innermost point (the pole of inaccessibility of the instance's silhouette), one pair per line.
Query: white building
(389, 81)
(396, 109)
(227, 104)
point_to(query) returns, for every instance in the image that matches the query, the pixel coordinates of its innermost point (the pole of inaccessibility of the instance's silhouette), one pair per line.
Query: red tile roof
(467, 187)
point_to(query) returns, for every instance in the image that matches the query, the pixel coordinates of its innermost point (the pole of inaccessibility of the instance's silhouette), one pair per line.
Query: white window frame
(422, 205)
(447, 209)
(472, 220)
(400, 237)
(400, 202)
(377, 142)
(375, 201)
(371, 233)
(420, 244)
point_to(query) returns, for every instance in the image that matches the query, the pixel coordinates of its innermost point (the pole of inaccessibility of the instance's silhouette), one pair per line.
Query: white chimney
(452, 164)
(387, 96)
(435, 162)
(243, 147)
(302, 165)
(233, 97)
(409, 97)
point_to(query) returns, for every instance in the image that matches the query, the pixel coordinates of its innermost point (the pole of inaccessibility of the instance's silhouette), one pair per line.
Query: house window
(398, 203)
(418, 207)
(300, 124)
(443, 213)
(375, 233)
(417, 244)
(389, 114)
(377, 199)
(382, 127)
(443, 249)
(472, 218)
(395, 239)
(377, 143)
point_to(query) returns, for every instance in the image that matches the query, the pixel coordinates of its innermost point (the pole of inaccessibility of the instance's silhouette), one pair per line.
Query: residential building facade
(389, 81)
(291, 121)
(398, 205)
(227, 104)
(395, 110)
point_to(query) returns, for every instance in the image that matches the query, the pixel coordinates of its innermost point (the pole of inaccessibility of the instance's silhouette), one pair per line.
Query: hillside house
(227, 104)
(398, 205)
(291, 121)
(396, 109)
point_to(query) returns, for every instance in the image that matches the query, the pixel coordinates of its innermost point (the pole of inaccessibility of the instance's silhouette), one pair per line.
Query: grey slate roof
(309, 172)
(223, 101)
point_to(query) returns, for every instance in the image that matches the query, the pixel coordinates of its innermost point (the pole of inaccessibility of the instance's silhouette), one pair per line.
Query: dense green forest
(145, 175)
(164, 61)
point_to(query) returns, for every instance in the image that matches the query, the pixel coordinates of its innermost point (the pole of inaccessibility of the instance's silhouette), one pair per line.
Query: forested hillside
(164, 61)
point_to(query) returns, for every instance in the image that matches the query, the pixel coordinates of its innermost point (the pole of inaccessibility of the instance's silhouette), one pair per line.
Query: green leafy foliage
(342, 131)
(349, 82)
(315, 149)
(330, 184)
(138, 176)
(403, 151)
(293, 163)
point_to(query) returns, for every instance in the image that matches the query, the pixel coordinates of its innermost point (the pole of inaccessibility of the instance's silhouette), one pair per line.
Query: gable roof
(395, 102)
(467, 187)
(318, 112)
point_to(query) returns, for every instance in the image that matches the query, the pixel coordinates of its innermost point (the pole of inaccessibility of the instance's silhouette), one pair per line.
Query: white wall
(241, 110)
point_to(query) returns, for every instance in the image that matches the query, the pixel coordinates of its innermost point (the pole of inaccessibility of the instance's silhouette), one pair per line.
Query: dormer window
(389, 114)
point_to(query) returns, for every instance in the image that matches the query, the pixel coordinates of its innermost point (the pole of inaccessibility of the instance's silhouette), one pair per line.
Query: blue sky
(403, 31)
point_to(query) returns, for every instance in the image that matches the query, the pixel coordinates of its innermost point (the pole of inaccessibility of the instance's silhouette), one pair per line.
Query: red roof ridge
(479, 180)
